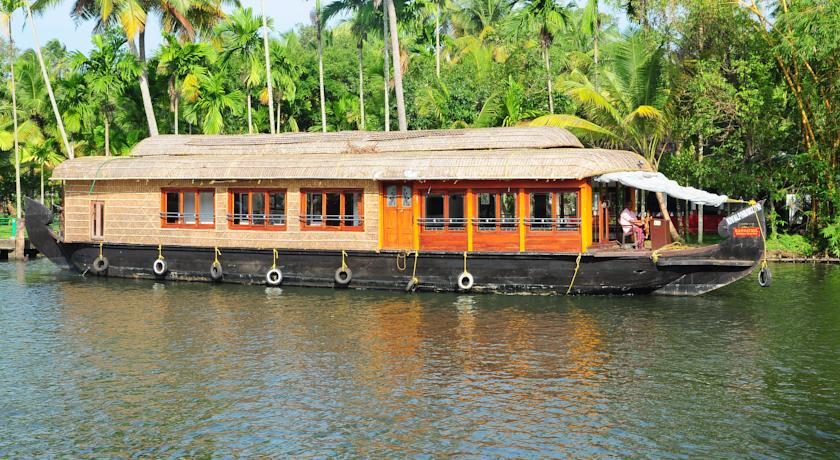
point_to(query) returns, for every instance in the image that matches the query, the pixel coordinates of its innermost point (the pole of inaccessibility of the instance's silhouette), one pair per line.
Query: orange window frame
(97, 222)
(446, 217)
(556, 195)
(266, 225)
(342, 226)
(481, 227)
(181, 192)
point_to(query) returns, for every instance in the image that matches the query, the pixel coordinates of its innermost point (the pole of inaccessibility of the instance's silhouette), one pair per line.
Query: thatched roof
(489, 154)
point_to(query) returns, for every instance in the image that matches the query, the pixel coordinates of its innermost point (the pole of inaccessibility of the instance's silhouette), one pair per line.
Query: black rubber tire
(274, 277)
(343, 276)
(160, 267)
(465, 281)
(216, 273)
(765, 277)
(100, 265)
(412, 285)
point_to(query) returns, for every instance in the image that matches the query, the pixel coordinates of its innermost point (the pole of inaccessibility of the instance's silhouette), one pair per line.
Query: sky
(57, 23)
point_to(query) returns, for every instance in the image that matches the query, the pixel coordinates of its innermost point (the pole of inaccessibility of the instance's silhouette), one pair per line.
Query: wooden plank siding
(133, 216)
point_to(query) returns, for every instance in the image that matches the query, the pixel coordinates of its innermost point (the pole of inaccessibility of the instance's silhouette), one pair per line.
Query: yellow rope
(465, 262)
(218, 253)
(577, 267)
(675, 245)
(274, 262)
(414, 272)
(160, 252)
(343, 260)
(403, 256)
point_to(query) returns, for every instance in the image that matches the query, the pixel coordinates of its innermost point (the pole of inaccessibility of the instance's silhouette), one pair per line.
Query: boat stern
(38, 220)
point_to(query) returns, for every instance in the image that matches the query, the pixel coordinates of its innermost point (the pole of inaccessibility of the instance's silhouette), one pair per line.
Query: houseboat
(520, 210)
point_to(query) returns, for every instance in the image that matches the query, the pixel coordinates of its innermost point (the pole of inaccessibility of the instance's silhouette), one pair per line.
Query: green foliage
(791, 245)
(724, 96)
(831, 233)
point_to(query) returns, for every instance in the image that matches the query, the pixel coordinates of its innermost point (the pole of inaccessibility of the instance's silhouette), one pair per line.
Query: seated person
(630, 223)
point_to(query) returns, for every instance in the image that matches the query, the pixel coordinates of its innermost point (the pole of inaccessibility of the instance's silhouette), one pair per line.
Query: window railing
(454, 224)
(263, 219)
(561, 224)
(505, 224)
(331, 219)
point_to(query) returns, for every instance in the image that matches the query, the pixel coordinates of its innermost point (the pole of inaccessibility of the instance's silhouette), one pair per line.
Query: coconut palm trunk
(545, 49)
(250, 116)
(143, 79)
(176, 104)
(385, 71)
(361, 84)
(437, 39)
(107, 133)
(663, 206)
(19, 236)
(395, 51)
(271, 127)
(321, 65)
(58, 120)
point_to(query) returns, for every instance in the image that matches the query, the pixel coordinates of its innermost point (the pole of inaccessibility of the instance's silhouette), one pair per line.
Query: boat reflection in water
(120, 368)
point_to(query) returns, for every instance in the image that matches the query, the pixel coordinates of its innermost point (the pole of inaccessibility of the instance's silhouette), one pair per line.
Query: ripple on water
(98, 368)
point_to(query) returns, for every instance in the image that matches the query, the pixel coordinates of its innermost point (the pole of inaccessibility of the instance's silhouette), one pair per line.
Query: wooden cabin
(505, 190)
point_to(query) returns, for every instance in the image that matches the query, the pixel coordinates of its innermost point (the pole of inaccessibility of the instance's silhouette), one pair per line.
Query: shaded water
(100, 368)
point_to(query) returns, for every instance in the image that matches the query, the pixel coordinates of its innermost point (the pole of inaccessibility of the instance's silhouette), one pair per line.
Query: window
(406, 196)
(257, 209)
(97, 228)
(333, 210)
(188, 209)
(497, 211)
(443, 211)
(391, 196)
(553, 211)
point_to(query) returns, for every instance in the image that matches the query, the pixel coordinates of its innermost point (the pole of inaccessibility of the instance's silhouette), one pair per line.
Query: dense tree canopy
(736, 97)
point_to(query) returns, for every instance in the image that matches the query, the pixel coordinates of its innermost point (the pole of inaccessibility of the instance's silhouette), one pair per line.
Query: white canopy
(657, 182)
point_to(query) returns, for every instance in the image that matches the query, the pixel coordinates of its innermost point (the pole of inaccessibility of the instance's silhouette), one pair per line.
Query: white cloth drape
(657, 182)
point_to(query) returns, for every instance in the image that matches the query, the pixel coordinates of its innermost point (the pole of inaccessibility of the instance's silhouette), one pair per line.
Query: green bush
(831, 233)
(791, 245)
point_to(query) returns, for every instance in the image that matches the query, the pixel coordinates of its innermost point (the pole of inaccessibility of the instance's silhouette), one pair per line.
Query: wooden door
(398, 216)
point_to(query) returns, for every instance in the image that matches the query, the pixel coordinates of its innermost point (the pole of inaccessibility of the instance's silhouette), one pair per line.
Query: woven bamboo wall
(132, 216)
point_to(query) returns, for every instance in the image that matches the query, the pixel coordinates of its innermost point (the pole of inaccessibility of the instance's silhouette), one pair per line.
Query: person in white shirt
(631, 224)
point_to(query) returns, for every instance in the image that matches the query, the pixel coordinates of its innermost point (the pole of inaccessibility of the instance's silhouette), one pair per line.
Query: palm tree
(177, 16)
(284, 77)
(591, 25)
(184, 63)
(268, 79)
(395, 51)
(364, 20)
(44, 154)
(7, 8)
(211, 102)
(472, 17)
(628, 110)
(386, 75)
(546, 18)
(317, 20)
(240, 37)
(107, 72)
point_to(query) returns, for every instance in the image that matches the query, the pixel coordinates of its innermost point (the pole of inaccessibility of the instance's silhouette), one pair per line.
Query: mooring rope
(577, 267)
(160, 252)
(274, 262)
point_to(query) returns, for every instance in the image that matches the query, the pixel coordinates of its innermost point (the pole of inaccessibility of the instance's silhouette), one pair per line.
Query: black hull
(697, 272)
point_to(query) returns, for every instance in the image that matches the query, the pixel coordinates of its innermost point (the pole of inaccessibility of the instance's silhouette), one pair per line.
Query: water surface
(116, 368)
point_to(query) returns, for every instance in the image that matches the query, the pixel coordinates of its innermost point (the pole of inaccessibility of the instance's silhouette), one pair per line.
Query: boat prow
(708, 268)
